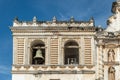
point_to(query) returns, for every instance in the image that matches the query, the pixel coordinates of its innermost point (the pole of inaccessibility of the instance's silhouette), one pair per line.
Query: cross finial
(16, 18)
(34, 19)
(72, 19)
(54, 19)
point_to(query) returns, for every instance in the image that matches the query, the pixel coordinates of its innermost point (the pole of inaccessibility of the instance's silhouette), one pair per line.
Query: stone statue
(111, 55)
(111, 73)
(118, 0)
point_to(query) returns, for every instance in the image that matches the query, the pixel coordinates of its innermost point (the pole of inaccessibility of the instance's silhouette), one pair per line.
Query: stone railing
(54, 22)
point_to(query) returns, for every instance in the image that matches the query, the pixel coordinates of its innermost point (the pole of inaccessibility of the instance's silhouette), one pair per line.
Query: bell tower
(53, 50)
(66, 50)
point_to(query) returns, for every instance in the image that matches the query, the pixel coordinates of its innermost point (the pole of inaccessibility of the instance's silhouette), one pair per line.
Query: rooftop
(72, 22)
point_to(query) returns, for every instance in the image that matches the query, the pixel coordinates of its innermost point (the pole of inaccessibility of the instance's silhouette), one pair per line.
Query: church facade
(66, 50)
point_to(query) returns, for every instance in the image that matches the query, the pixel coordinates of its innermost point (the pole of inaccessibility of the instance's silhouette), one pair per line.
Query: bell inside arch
(38, 55)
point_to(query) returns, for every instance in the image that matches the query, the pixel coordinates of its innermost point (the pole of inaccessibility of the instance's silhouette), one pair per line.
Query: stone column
(47, 50)
(60, 51)
(101, 68)
(118, 52)
(93, 53)
(26, 57)
(14, 50)
(82, 51)
(29, 53)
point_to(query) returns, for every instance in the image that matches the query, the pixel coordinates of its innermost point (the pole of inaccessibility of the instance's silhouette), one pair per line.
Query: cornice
(55, 72)
(51, 29)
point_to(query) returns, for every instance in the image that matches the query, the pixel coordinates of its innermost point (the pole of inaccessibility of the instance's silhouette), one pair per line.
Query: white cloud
(63, 17)
(5, 70)
(80, 9)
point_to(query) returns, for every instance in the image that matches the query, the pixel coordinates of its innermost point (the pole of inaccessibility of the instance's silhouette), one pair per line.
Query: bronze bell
(38, 54)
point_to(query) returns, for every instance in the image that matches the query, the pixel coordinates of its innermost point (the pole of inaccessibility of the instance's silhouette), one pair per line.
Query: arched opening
(38, 52)
(71, 53)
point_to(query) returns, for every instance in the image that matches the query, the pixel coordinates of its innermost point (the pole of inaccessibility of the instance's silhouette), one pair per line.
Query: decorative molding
(51, 67)
(111, 63)
(56, 72)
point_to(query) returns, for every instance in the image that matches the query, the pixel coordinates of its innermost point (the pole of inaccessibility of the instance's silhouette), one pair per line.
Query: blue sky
(44, 10)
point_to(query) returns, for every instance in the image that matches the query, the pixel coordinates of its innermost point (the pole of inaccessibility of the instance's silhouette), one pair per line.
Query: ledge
(55, 72)
(53, 66)
(51, 29)
(111, 63)
(58, 68)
